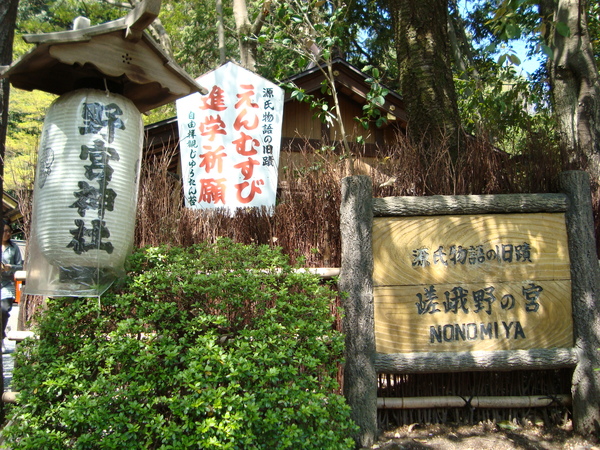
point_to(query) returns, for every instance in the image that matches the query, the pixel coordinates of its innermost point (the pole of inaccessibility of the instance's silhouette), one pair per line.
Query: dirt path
(483, 437)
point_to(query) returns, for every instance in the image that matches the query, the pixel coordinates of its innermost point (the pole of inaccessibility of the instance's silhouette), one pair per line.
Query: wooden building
(10, 209)
(300, 129)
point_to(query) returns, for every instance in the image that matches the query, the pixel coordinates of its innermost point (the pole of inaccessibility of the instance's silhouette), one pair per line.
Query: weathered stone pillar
(356, 281)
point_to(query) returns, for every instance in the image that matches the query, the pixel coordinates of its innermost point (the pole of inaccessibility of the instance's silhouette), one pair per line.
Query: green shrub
(213, 346)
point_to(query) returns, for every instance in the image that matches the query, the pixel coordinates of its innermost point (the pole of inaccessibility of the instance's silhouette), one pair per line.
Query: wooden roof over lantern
(118, 56)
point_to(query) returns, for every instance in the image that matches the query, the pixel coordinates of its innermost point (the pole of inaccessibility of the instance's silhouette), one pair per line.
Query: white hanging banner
(230, 140)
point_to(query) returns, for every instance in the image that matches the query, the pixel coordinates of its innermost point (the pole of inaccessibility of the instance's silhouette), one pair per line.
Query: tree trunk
(8, 18)
(460, 45)
(158, 30)
(575, 85)
(421, 35)
(247, 31)
(220, 32)
(243, 27)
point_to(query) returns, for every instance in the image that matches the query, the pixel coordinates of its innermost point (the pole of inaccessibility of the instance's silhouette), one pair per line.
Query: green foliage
(509, 20)
(315, 31)
(25, 120)
(369, 32)
(311, 31)
(594, 29)
(491, 103)
(503, 107)
(161, 113)
(213, 346)
(512, 19)
(375, 100)
(192, 26)
(44, 16)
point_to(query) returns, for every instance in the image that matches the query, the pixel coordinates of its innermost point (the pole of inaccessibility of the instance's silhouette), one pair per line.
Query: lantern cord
(106, 88)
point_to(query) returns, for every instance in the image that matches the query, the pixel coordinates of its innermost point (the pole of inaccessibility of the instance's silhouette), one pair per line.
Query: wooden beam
(10, 397)
(437, 205)
(19, 336)
(140, 17)
(455, 401)
(477, 361)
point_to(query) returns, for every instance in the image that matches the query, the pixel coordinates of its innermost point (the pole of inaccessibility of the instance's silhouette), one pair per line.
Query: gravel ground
(484, 437)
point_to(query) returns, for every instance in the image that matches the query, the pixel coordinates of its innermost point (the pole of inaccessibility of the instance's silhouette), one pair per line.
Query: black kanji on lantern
(81, 244)
(99, 155)
(97, 116)
(90, 197)
(102, 121)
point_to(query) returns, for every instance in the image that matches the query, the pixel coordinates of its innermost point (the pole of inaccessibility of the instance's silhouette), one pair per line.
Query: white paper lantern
(85, 193)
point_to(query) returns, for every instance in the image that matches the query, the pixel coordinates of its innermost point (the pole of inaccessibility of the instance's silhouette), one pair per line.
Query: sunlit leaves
(37, 16)
(212, 346)
(25, 120)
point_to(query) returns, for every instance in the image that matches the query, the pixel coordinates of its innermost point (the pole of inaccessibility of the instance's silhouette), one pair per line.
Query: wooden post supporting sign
(585, 274)
(356, 279)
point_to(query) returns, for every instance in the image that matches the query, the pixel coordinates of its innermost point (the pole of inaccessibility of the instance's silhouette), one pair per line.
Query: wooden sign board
(471, 282)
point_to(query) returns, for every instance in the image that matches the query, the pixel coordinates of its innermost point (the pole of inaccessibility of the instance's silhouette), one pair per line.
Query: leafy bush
(213, 346)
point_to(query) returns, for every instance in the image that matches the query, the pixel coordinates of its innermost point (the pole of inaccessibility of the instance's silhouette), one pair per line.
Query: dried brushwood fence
(305, 222)
(467, 386)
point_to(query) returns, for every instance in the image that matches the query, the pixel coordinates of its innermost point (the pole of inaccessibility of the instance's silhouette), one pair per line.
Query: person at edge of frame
(11, 262)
